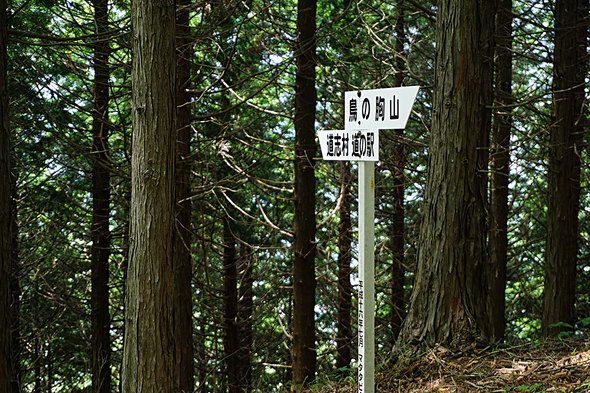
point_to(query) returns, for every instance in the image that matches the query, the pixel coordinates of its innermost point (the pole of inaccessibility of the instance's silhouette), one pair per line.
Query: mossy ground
(548, 366)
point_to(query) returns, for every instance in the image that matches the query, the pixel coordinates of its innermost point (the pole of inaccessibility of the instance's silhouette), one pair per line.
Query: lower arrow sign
(343, 145)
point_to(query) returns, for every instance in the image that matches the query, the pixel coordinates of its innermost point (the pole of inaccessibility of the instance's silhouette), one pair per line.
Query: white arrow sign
(342, 145)
(378, 109)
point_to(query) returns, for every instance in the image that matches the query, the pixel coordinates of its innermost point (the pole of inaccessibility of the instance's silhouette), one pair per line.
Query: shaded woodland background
(67, 194)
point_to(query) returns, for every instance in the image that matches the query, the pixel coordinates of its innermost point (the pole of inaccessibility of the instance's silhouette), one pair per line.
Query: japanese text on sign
(361, 338)
(379, 108)
(339, 145)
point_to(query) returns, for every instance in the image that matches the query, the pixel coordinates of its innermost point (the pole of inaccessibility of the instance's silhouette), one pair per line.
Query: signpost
(365, 113)
(366, 291)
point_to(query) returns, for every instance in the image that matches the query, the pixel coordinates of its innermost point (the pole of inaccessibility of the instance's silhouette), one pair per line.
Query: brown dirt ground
(551, 366)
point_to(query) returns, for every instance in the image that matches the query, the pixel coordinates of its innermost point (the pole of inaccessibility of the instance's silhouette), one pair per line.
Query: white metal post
(366, 294)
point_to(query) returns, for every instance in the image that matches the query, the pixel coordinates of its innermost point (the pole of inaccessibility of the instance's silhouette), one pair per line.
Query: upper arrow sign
(376, 109)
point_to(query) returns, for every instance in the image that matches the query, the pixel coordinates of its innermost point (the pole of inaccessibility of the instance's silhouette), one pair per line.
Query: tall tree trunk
(304, 224)
(448, 300)
(245, 318)
(183, 304)
(569, 72)
(15, 292)
(148, 357)
(37, 367)
(124, 267)
(6, 364)
(49, 369)
(499, 168)
(344, 327)
(231, 337)
(101, 195)
(398, 309)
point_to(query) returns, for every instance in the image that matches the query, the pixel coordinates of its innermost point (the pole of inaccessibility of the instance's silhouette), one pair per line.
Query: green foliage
(526, 388)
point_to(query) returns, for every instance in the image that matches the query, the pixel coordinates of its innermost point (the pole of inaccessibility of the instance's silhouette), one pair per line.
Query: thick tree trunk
(183, 304)
(148, 358)
(344, 326)
(448, 300)
(101, 195)
(231, 338)
(499, 168)
(245, 318)
(569, 72)
(304, 225)
(398, 306)
(6, 369)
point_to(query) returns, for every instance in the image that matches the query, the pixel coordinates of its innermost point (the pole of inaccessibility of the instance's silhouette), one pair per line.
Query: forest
(167, 223)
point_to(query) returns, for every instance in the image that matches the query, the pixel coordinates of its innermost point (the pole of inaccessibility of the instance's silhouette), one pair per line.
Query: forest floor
(550, 366)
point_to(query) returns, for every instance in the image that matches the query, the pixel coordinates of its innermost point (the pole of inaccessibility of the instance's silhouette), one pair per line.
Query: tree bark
(183, 304)
(100, 251)
(448, 300)
(569, 72)
(499, 168)
(398, 306)
(6, 364)
(15, 293)
(344, 327)
(304, 224)
(148, 358)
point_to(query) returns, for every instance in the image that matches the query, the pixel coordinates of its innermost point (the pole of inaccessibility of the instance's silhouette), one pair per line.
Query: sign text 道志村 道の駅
(343, 145)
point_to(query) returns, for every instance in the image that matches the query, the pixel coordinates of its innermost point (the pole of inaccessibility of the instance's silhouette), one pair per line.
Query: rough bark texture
(183, 305)
(448, 301)
(499, 168)
(344, 333)
(304, 225)
(100, 251)
(148, 358)
(231, 338)
(569, 71)
(398, 309)
(6, 370)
